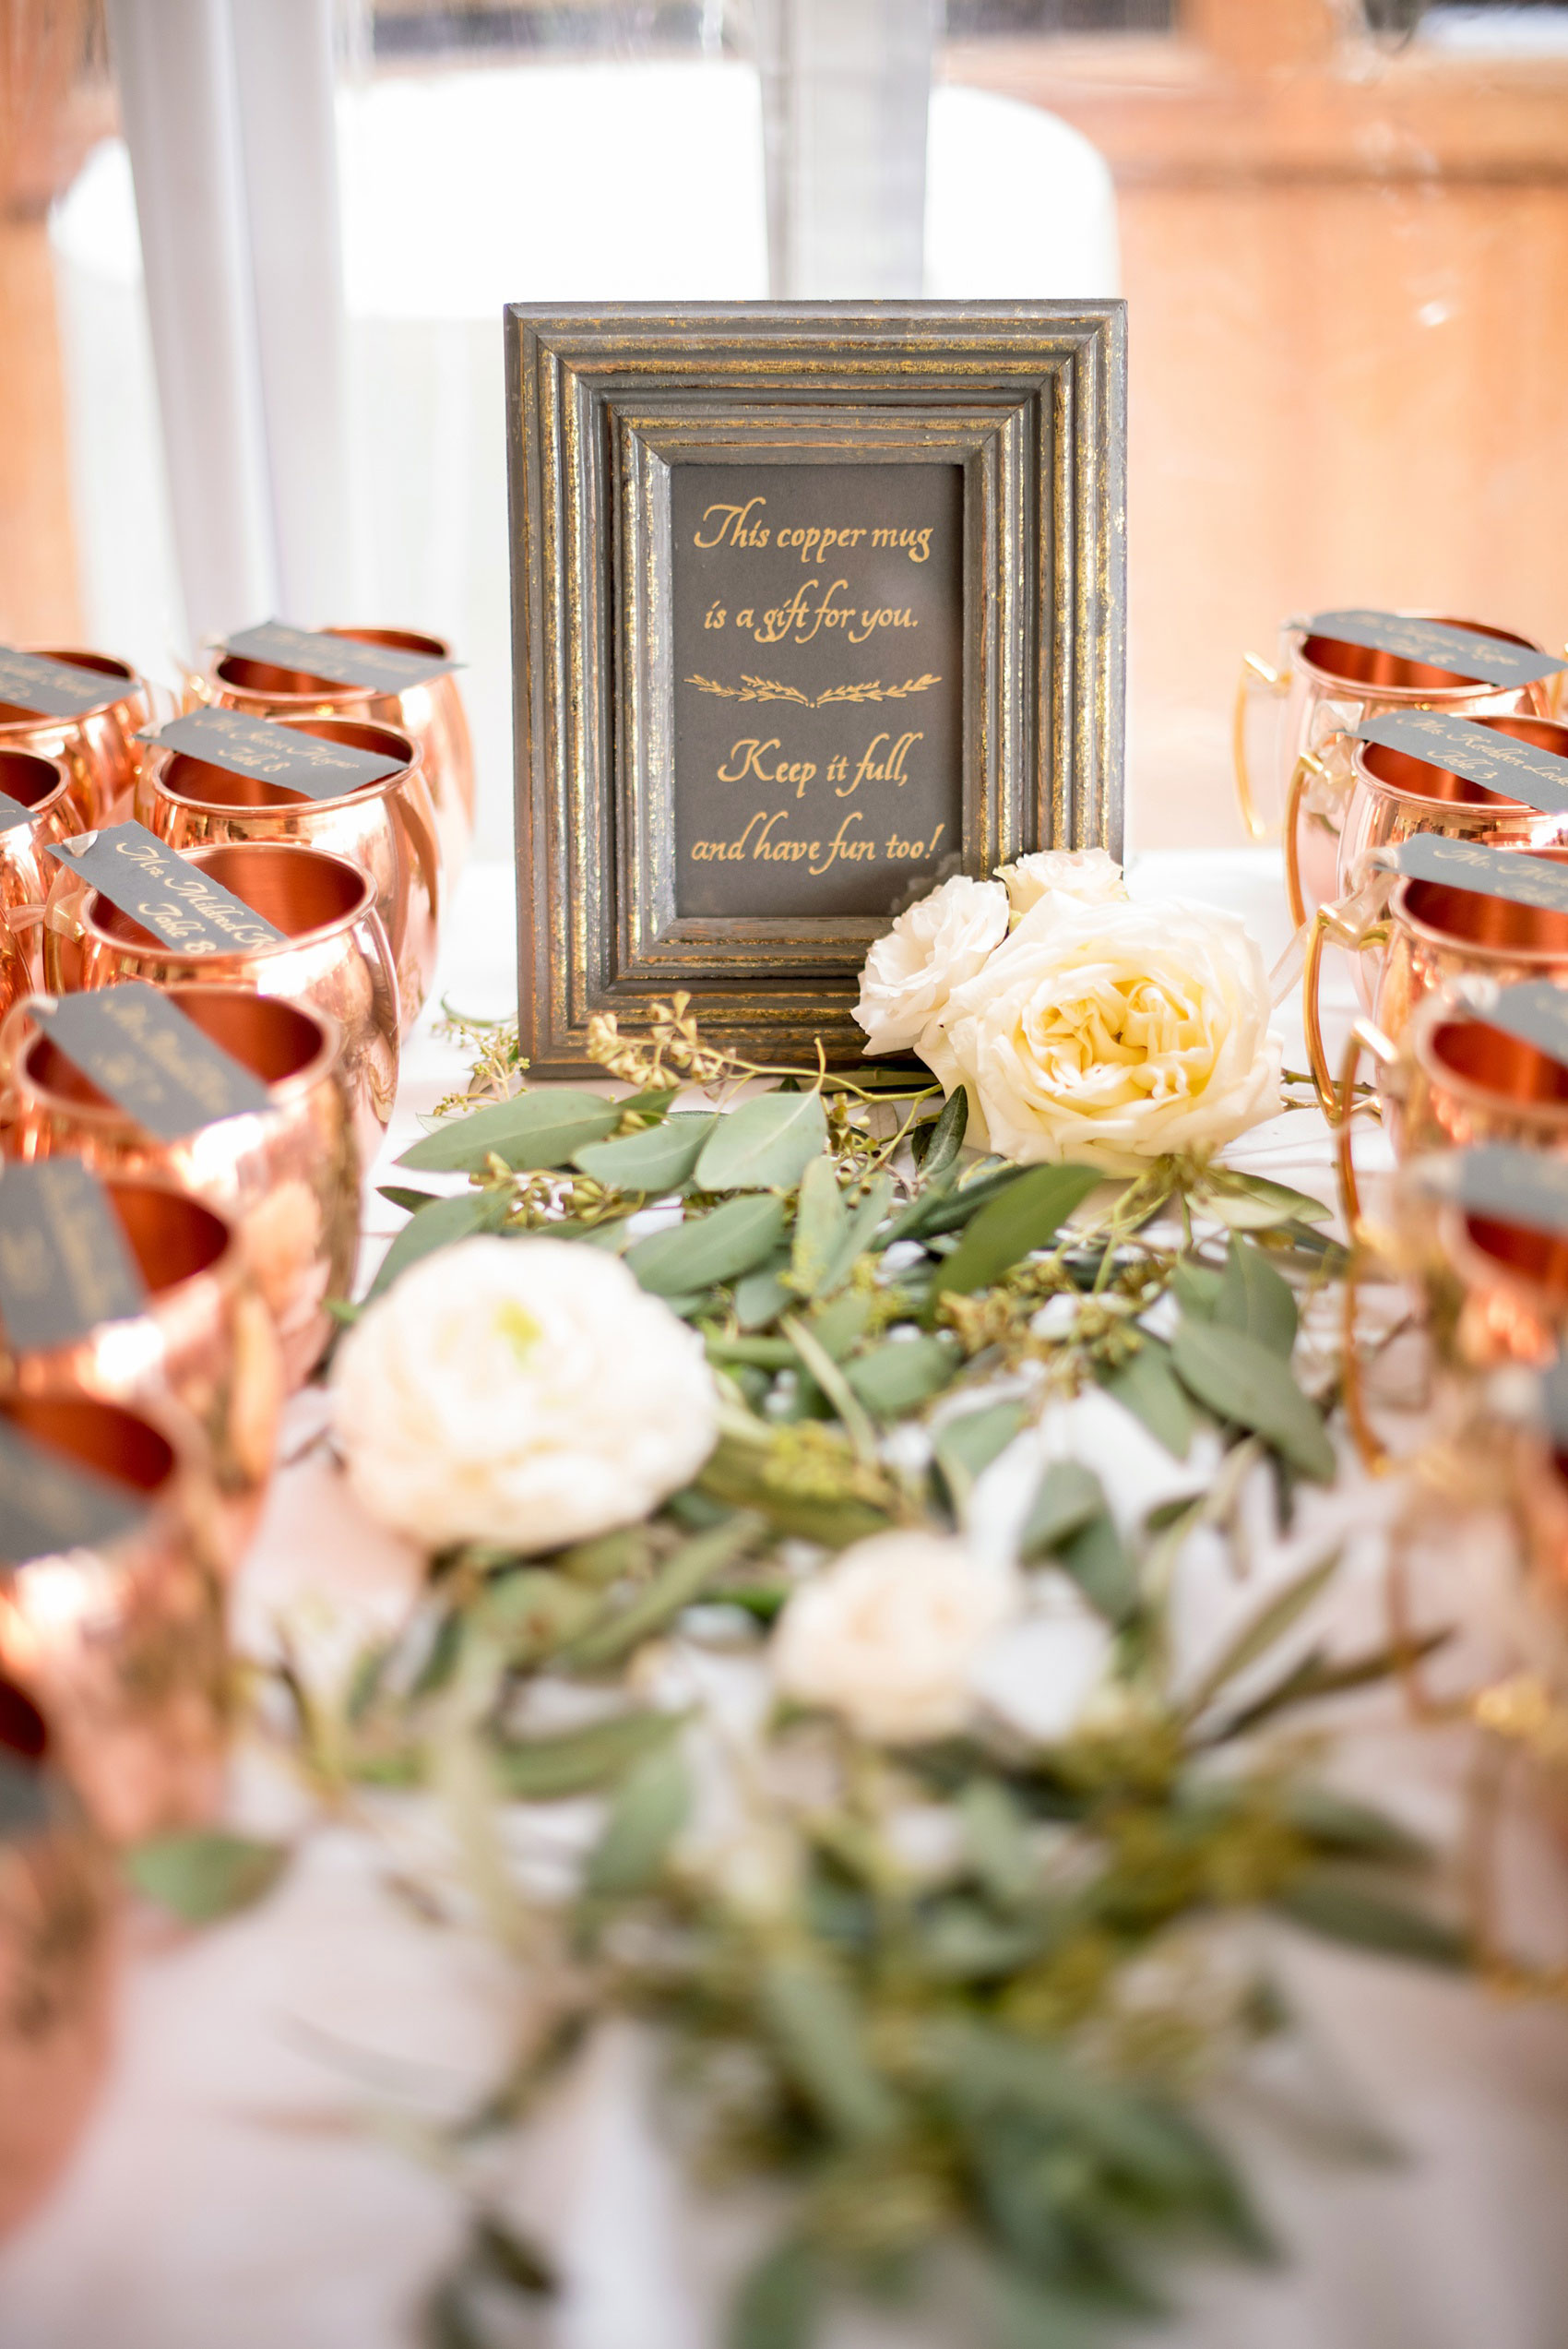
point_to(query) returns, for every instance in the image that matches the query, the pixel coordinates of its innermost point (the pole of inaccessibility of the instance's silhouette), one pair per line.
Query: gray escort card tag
(173, 898)
(53, 688)
(26, 1792)
(65, 1263)
(1486, 872)
(1554, 1401)
(1515, 1186)
(50, 1502)
(1533, 1010)
(345, 660)
(282, 756)
(1464, 652)
(139, 1047)
(12, 813)
(1498, 762)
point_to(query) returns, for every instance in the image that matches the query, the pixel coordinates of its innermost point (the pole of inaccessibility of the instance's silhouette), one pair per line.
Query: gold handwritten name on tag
(65, 1263)
(183, 906)
(1517, 1186)
(1437, 644)
(1485, 871)
(46, 688)
(286, 757)
(345, 660)
(1483, 755)
(137, 1047)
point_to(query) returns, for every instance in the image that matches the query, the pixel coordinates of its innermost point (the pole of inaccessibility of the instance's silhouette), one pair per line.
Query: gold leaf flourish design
(769, 689)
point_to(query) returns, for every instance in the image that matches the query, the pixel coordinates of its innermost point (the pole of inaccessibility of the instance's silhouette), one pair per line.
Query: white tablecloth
(253, 2179)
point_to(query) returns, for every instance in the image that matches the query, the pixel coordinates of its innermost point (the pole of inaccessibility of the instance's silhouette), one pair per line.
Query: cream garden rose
(889, 1635)
(932, 948)
(1110, 1033)
(521, 1391)
(1089, 873)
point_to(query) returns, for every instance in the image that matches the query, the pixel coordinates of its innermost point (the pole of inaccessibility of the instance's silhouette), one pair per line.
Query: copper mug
(121, 1646)
(57, 1961)
(386, 829)
(1395, 795)
(43, 787)
(431, 713)
(1326, 690)
(97, 748)
(203, 1354)
(1428, 935)
(286, 1179)
(333, 955)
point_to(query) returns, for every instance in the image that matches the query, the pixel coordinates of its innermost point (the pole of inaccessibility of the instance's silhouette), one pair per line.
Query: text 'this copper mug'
(385, 829)
(121, 1646)
(333, 955)
(286, 1178)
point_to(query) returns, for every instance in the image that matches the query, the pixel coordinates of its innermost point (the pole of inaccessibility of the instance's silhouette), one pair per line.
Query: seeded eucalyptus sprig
(975, 2077)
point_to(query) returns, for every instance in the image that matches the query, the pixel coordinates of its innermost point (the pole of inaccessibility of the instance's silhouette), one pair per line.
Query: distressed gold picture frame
(1027, 400)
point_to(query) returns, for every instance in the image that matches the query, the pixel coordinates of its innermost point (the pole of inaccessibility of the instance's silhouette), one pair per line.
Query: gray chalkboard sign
(819, 683)
(812, 605)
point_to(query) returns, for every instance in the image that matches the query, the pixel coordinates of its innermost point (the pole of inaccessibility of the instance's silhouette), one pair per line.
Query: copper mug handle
(1332, 921)
(1373, 1452)
(1257, 674)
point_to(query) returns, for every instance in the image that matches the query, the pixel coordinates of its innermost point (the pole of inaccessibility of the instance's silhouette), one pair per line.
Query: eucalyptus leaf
(682, 1578)
(659, 1158)
(531, 1613)
(1069, 1497)
(1252, 1296)
(1025, 1215)
(1196, 1287)
(205, 1875)
(720, 1246)
(779, 2300)
(996, 1839)
(947, 1135)
(736, 1474)
(821, 2037)
(1098, 1562)
(1341, 1910)
(839, 1326)
(1239, 1379)
(1147, 1387)
(766, 1144)
(859, 1232)
(438, 1226)
(946, 1204)
(647, 1815)
(899, 1376)
(1251, 1203)
(1339, 1823)
(821, 1221)
(400, 1195)
(968, 1445)
(532, 1130)
(761, 1296)
(1263, 1630)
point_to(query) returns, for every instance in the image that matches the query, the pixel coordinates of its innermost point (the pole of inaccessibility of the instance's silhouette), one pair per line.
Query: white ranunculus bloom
(929, 952)
(1111, 1033)
(888, 1635)
(524, 1391)
(1089, 873)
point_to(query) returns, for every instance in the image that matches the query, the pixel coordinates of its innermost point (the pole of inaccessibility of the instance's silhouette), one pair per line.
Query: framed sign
(812, 605)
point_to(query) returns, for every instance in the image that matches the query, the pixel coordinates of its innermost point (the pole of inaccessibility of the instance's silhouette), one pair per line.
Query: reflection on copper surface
(56, 1968)
(204, 1354)
(386, 829)
(122, 1647)
(430, 713)
(287, 1180)
(333, 957)
(1499, 1064)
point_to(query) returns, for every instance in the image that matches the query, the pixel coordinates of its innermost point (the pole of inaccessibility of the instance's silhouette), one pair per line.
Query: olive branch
(770, 689)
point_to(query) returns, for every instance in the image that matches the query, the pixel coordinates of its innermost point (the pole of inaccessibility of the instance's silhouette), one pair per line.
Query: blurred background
(254, 254)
